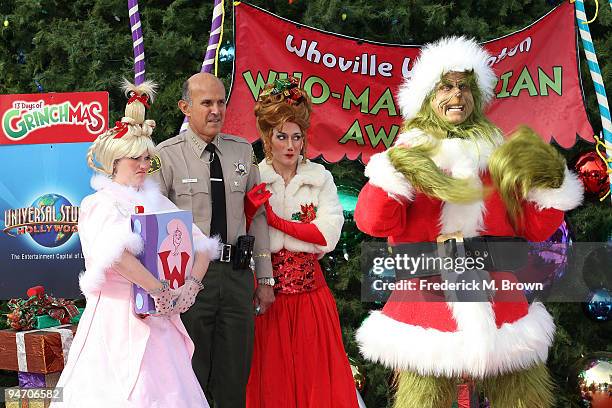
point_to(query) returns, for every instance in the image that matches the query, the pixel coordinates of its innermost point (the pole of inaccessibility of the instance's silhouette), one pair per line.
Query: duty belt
(238, 255)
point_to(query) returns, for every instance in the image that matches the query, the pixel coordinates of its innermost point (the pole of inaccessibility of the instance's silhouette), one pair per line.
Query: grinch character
(452, 175)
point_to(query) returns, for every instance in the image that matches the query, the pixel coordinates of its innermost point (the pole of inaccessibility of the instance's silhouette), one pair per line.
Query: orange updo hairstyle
(274, 110)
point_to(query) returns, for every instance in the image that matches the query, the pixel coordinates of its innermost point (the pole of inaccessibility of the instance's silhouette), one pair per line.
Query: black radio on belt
(244, 251)
(240, 254)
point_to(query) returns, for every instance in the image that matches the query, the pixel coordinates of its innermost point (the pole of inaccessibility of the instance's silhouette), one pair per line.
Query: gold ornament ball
(6, 23)
(343, 16)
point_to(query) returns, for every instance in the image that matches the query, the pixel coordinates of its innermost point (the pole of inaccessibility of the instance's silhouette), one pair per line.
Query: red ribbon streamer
(121, 128)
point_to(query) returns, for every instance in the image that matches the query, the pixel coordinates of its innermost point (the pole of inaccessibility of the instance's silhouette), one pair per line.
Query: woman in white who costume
(117, 358)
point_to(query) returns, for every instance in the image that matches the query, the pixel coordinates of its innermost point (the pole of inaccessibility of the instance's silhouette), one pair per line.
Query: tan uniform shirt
(184, 177)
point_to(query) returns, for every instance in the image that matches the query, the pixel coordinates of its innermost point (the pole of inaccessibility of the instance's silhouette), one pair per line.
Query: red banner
(353, 82)
(53, 117)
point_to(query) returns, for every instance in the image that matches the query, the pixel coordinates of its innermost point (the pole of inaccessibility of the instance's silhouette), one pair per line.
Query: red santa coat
(445, 338)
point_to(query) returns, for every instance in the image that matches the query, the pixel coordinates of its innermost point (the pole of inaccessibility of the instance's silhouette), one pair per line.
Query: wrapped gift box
(38, 380)
(168, 251)
(35, 351)
(28, 403)
(46, 321)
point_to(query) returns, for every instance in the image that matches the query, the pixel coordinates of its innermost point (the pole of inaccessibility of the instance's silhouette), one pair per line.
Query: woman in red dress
(298, 358)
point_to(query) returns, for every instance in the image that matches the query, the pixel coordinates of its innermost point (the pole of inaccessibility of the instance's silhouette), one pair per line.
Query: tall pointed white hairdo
(452, 54)
(131, 136)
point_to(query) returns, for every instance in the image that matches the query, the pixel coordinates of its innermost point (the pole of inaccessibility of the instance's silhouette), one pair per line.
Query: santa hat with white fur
(452, 54)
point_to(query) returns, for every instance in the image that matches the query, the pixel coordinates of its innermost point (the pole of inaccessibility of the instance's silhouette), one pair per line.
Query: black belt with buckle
(228, 252)
(497, 253)
(238, 255)
(494, 253)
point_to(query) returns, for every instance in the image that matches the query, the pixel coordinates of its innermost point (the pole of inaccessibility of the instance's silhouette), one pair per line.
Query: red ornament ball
(593, 172)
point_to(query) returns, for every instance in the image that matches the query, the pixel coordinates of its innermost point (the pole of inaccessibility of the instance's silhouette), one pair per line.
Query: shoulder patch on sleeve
(155, 165)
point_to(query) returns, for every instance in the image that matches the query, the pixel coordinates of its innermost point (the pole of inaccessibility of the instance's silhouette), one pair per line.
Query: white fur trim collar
(306, 173)
(463, 158)
(149, 192)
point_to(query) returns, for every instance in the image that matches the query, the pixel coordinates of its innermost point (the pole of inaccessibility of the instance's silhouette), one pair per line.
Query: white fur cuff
(133, 243)
(208, 246)
(106, 252)
(382, 174)
(565, 198)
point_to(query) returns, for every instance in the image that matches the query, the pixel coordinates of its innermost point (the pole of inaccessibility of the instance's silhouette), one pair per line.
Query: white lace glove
(165, 299)
(187, 294)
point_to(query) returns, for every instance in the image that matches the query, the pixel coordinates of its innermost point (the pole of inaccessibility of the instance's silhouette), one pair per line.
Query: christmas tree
(84, 45)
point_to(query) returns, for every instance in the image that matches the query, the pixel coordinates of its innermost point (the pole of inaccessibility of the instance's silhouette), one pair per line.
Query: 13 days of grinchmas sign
(52, 118)
(352, 82)
(44, 140)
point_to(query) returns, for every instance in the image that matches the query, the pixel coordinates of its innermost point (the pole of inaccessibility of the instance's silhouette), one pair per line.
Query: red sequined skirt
(299, 360)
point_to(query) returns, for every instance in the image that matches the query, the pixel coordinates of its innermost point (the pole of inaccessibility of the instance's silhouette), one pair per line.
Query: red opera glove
(254, 199)
(304, 231)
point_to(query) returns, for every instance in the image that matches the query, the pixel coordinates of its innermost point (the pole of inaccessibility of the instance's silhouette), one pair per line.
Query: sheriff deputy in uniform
(208, 173)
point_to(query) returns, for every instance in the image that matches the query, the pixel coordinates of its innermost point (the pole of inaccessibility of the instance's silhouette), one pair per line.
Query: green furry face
(452, 98)
(476, 126)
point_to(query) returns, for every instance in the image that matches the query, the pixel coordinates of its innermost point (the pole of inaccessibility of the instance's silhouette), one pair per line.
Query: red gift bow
(24, 311)
(35, 291)
(144, 99)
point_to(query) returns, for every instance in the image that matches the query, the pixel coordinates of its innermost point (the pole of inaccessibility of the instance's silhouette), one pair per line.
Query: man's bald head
(203, 102)
(200, 79)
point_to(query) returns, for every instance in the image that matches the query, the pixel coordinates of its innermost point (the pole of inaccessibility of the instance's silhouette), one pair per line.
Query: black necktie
(218, 221)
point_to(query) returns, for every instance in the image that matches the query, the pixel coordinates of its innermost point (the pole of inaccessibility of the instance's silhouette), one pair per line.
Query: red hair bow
(121, 128)
(144, 99)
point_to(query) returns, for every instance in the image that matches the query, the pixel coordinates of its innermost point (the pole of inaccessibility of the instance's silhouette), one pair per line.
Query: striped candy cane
(137, 42)
(600, 91)
(216, 35)
(211, 56)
